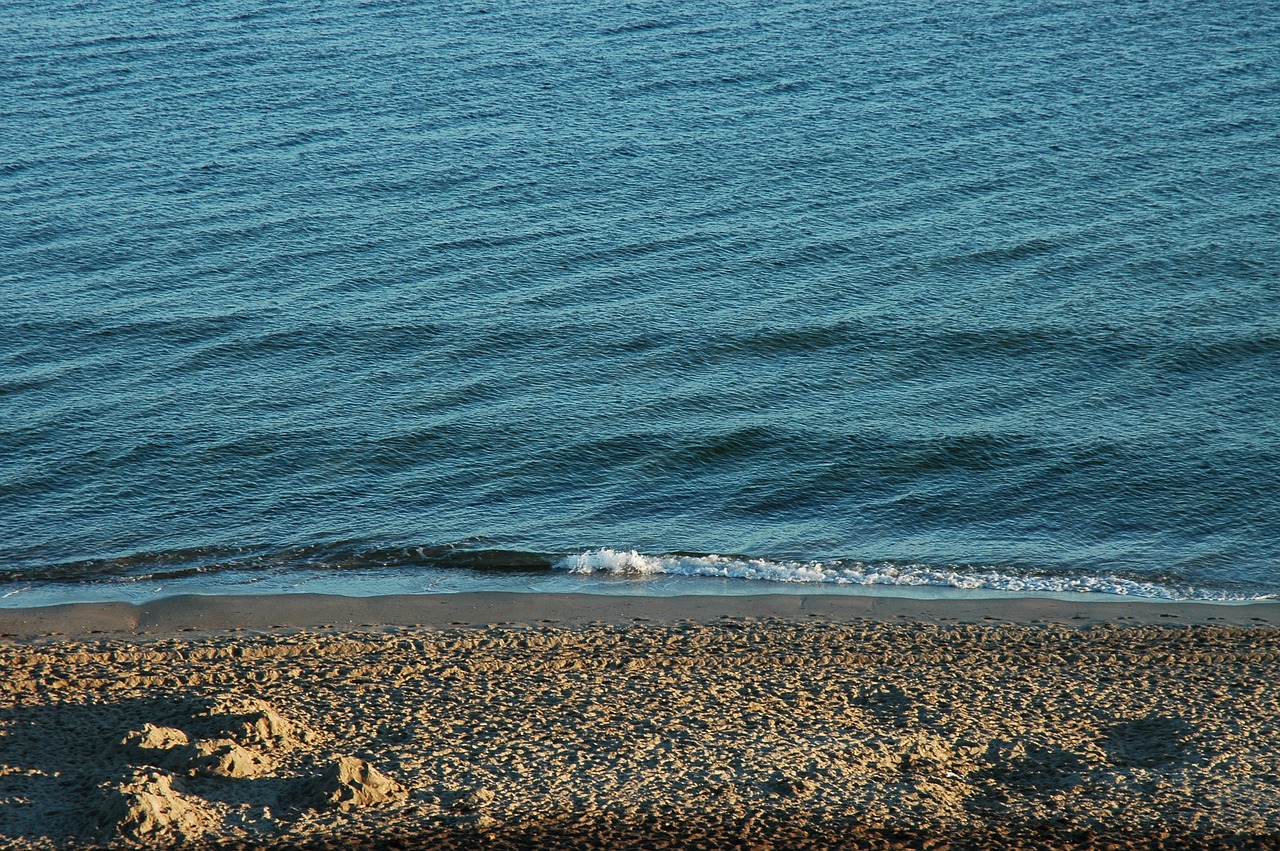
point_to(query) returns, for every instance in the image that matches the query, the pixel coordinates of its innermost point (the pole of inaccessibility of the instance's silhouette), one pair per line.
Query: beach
(804, 424)
(522, 720)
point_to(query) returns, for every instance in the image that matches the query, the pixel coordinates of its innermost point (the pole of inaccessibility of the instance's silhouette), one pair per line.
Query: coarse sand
(576, 721)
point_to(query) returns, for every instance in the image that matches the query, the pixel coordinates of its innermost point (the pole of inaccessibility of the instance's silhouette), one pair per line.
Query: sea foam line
(636, 564)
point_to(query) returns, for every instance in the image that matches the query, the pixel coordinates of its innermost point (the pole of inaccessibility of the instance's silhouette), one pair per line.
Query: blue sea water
(509, 293)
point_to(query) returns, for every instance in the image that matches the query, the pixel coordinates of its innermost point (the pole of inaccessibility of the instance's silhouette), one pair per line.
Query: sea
(914, 297)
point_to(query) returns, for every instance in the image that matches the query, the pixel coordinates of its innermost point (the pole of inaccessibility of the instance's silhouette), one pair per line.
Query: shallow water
(981, 295)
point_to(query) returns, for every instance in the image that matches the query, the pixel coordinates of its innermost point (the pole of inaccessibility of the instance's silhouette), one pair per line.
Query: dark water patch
(184, 564)
(641, 26)
(1259, 351)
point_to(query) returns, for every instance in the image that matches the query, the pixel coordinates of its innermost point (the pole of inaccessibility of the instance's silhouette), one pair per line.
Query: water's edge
(451, 570)
(194, 615)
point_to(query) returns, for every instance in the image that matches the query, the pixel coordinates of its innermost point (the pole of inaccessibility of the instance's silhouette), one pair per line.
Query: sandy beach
(510, 720)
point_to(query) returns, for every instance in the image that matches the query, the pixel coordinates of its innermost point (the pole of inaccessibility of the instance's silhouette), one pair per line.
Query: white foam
(634, 564)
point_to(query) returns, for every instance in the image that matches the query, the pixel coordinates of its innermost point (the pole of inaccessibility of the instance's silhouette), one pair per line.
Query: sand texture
(738, 731)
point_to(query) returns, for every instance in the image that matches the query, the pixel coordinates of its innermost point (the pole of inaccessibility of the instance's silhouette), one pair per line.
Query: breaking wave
(845, 572)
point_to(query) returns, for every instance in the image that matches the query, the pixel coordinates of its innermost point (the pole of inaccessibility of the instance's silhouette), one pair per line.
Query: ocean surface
(641, 297)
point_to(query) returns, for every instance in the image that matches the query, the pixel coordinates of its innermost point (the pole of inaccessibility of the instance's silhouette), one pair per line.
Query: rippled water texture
(981, 286)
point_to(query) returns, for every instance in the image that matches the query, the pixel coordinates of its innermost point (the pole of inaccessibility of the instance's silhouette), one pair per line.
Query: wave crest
(844, 572)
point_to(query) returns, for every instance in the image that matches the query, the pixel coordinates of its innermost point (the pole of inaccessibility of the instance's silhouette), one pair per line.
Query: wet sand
(510, 720)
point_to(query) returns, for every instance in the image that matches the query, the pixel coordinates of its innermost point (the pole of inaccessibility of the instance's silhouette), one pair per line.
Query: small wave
(844, 572)
(640, 26)
(479, 561)
(169, 565)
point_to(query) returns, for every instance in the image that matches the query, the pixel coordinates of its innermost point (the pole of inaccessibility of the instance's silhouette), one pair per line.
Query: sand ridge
(734, 732)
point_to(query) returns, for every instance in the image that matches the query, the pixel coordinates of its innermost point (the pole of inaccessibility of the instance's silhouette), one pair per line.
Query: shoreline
(581, 721)
(206, 614)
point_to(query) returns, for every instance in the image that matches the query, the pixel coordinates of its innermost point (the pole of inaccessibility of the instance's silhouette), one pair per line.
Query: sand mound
(171, 748)
(226, 758)
(151, 739)
(144, 807)
(348, 783)
(250, 721)
(162, 747)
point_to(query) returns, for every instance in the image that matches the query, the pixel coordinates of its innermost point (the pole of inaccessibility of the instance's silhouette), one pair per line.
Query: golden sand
(640, 724)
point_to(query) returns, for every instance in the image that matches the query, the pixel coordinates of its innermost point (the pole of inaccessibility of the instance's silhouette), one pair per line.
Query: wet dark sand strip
(201, 614)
